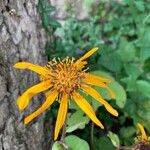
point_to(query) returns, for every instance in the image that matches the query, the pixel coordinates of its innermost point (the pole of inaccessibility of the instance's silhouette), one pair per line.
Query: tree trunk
(21, 39)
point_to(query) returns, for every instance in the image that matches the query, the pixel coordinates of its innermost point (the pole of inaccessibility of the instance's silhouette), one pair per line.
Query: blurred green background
(121, 31)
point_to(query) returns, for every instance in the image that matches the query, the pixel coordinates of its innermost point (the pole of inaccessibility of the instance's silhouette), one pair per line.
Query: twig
(124, 148)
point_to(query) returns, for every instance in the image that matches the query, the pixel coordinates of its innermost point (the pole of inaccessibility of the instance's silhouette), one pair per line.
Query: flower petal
(99, 83)
(88, 54)
(23, 100)
(85, 106)
(144, 136)
(50, 99)
(80, 65)
(61, 115)
(96, 78)
(98, 97)
(36, 68)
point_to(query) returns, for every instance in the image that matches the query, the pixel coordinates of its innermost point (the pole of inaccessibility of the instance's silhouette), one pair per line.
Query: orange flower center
(65, 76)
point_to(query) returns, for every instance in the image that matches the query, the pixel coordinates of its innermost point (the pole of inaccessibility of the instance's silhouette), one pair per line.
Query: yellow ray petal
(144, 136)
(61, 115)
(36, 68)
(85, 106)
(23, 100)
(88, 54)
(80, 65)
(90, 76)
(99, 83)
(50, 99)
(98, 97)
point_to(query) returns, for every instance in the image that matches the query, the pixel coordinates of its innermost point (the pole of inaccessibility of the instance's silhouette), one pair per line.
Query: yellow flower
(62, 80)
(143, 138)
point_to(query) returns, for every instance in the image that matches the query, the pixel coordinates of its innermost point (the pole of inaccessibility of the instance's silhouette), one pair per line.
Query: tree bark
(21, 39)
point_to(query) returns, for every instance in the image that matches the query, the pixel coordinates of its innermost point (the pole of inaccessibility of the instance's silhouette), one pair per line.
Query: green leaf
(144, 40)
(103, 143)
(138, 110)
(143, 87)
(140, 5)
(54, 23)
(144, 110)
(133, 70)
(147, 65)
(88, 4)
(57, 146)
(145, 53)
(108, 27)
(111, 61)
(76, 143)
(115, 86)
(76, 120)
(114, 139)
(127, 132)
(126, 51)
(131, 83)
(45, 20)
(49, 9)
(120, 93)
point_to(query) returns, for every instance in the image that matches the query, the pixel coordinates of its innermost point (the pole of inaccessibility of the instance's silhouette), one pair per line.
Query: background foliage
(121, 30)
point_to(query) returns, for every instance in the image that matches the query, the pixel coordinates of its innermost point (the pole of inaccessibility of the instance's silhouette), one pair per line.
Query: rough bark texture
(21, 39)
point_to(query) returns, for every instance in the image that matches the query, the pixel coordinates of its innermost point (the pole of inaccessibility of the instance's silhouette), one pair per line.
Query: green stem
(62, 140)
(64, 132)
(92, 136)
